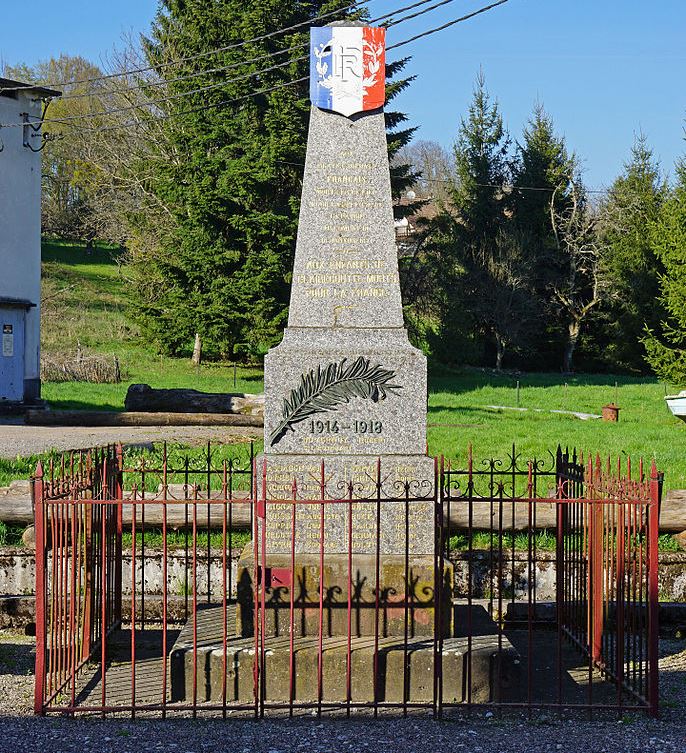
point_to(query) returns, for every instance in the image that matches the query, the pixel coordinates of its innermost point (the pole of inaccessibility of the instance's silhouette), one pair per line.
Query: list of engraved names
(348, 196)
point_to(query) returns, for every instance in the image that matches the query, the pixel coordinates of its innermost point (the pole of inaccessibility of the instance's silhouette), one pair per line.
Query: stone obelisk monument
(345, 386)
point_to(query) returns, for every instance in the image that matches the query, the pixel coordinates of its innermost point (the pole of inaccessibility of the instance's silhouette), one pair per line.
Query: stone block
(480, 672)
(399, 521)
(416, 604)
(381, 411)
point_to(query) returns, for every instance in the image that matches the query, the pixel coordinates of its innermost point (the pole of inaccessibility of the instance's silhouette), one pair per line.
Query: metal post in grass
(39, 533)
(653, 516)
(518, 393)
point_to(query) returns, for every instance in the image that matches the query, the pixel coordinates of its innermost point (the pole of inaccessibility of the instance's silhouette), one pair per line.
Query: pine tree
(542, 173)
(631, 265)
(666, 349)
(490, 270)
(232, 179)
(482, 169)
(402, 173)
(543, 168)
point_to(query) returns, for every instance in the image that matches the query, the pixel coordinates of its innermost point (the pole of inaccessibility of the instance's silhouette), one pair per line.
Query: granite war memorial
(345, 391)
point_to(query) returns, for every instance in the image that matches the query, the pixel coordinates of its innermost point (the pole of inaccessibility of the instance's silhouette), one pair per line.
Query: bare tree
(579, 287)
(121, 146)
(434, 163)
(502, 299)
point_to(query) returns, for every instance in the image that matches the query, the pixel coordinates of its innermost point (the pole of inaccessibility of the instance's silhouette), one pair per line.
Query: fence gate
(169, 584)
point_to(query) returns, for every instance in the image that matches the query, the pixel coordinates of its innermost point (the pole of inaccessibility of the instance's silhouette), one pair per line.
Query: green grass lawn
(458, 414)
(86, 301)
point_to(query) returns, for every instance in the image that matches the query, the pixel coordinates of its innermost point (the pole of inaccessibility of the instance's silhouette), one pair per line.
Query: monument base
(483, 669)
(389, 503)
(374, 404)
(398, 606)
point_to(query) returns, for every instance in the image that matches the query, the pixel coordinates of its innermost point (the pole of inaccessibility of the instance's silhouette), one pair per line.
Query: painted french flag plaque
(347, 68)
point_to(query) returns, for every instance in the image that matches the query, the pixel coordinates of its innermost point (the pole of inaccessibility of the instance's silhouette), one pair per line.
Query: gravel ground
(22, 733)
(19, 439)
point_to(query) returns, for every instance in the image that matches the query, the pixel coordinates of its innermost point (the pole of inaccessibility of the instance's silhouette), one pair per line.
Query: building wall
(20, 223)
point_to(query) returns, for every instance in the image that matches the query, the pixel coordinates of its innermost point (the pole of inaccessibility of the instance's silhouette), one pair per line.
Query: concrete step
(492, 670)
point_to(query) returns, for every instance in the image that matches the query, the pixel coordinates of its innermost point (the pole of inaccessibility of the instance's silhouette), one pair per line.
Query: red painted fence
(158, 590)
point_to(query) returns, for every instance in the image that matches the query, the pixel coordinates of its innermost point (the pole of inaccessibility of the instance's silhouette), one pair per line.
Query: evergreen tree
(541, 174)
(399, 135)
(631, 265)
(482, 170)
(543, 168)
(489, 271)
(232, 179)
(666, 350)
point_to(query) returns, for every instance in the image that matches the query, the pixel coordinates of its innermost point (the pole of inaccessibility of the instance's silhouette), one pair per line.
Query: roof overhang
(41, 92)
(15, 303)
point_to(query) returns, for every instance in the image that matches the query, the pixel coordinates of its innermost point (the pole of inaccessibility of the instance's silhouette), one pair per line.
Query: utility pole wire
(266, 90)
(219, 84)
(172, 97)
(199, 55)
(446, 25)
(258, 58)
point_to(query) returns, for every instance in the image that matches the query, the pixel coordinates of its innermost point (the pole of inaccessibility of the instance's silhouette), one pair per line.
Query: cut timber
(136, 418)
(673, 511)
(16, 508)
(143, 398)
(19, 511)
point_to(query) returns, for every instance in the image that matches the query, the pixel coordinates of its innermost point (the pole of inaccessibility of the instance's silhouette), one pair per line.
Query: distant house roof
(427, 211)
(16, 86)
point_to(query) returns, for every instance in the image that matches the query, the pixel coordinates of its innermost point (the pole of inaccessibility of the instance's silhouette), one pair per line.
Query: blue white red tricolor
(347, 68)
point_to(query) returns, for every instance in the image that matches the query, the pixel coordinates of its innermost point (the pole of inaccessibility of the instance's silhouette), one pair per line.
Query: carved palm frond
(326, 388)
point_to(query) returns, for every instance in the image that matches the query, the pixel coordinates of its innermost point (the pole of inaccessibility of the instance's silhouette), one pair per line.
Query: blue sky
(603, 69)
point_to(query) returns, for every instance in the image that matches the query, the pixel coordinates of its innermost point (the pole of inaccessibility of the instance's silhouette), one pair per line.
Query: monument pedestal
(397, 605)
(345, 391)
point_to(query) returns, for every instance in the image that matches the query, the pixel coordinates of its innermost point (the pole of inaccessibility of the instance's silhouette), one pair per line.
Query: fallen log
(136, 418)
(19, 511)
(143, 398)
(673, 511)
(16, 509)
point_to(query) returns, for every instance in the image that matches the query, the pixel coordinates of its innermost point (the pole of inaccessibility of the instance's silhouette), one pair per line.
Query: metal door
(12, 355)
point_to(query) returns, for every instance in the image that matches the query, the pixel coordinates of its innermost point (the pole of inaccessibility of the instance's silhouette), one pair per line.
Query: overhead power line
(266, 90)
(450, 23)
(199, 55)
(210, 87)
(196, 74)
(509, 186)
(418, 13)
(171, 97)
(231, 66)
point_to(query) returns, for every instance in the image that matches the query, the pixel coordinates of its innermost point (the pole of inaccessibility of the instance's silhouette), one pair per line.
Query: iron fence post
(653, 635)
(37, 496)
(559, 540)
(119, 494)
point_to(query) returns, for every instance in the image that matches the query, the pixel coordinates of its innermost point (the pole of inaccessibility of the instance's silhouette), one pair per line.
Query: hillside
(85, 300)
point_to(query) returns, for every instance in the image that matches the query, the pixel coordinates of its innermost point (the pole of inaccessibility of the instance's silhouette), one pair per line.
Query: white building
(20, 240)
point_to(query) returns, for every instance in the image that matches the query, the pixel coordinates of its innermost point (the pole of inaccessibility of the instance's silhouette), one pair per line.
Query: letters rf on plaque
(347, 68)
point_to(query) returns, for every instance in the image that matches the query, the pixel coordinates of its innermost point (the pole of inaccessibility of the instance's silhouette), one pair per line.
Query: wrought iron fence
(189, 584)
